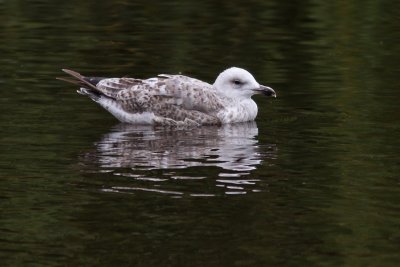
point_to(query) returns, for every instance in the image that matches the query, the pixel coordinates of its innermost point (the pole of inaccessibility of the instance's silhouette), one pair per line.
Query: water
(313, 182)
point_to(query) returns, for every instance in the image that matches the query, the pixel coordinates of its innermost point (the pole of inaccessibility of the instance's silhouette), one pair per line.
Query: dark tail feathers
(82, 81)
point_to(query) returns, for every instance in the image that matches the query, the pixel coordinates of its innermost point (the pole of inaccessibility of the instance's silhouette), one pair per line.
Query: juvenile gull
(176, 99)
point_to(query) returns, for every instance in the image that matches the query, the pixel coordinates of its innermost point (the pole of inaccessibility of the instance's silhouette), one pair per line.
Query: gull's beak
(265, 90)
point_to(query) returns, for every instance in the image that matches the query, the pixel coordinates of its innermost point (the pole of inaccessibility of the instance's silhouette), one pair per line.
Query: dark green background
(323, 185)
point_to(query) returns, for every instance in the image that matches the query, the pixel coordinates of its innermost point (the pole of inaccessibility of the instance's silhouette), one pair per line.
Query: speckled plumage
(175, 99)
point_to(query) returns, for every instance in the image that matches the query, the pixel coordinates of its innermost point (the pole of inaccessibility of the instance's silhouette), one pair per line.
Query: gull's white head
(239, 82)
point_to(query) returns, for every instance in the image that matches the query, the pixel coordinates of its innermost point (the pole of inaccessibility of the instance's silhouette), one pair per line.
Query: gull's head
(239, 82)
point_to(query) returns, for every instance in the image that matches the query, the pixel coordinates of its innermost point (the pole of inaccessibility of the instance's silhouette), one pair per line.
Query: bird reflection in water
(182, 161)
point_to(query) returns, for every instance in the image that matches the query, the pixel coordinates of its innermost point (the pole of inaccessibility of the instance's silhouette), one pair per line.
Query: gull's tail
(87, 84)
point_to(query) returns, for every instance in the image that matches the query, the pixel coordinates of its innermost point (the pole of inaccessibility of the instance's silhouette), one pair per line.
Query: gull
(175, 99)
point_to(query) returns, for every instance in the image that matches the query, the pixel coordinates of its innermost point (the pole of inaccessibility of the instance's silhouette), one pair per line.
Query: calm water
(313, 182)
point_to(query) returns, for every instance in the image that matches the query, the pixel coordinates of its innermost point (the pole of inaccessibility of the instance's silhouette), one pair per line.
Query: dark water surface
(313, 182)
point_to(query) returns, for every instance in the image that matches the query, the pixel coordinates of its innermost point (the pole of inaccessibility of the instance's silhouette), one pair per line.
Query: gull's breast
(238, 111)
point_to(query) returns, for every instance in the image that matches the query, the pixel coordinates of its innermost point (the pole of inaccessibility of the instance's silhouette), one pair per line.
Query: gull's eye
(237, 82)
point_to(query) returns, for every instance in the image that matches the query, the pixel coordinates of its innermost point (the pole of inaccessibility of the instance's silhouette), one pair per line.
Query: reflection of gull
(232, 150)
(231, 147)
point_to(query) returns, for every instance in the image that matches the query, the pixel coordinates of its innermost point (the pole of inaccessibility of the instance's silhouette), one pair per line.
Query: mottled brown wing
(190, 93)
(139, 101)
(172, 96)
(112, 86)
(195, 94)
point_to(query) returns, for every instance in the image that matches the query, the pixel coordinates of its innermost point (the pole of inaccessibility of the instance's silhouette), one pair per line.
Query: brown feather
(80, 79)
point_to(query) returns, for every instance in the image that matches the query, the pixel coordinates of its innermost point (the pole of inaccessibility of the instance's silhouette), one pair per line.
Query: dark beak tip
(269, 92)
(265, 90)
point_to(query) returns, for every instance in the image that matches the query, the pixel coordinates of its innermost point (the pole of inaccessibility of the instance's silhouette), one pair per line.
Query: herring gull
(175, 99)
